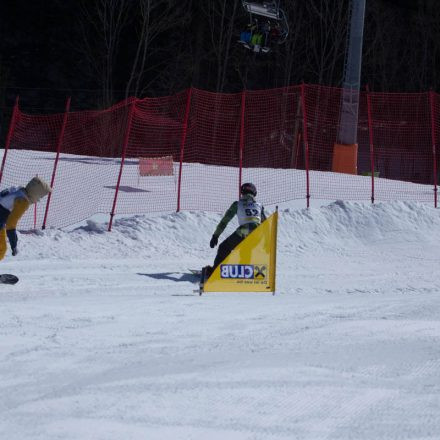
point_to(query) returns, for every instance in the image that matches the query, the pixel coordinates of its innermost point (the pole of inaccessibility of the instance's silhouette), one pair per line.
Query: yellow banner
(251, 266)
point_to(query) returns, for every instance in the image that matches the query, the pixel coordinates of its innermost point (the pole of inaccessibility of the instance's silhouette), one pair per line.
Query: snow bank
(359, 224)
(347, 224)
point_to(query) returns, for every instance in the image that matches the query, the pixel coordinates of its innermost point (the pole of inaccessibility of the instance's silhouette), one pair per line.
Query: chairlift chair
(266, 9)
(272, 11)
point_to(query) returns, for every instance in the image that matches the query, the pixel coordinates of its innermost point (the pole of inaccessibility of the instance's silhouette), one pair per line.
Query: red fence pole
(182, 144)
(9, 136)
(434, 143)
(242, 113)
(124, 152)
(370, 134)
(55, 165)
(306, 143)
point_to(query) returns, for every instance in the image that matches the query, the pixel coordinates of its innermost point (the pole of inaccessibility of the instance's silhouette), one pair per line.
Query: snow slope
(104, 338)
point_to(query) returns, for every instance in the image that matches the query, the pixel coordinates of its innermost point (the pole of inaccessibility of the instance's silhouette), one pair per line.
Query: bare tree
(433, 13)
(385, 51)
(221, 15)
(5, 111)
(423, 44)
(326, 39)
(101, 23)
(292, 53)
(157, 18)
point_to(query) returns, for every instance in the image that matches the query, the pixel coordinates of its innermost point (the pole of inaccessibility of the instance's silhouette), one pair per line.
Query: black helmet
(248, 188)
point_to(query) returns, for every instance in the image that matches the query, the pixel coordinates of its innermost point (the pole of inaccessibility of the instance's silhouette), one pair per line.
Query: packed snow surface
(104, 337)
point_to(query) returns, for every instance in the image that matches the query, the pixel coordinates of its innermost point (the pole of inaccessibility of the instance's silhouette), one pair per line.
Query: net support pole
(434, 143)
(297, 146)
(240, 157)
(370, 136)
(306, 142)
(182, 146)
(12, 125)
(124, 152)
(57, 157)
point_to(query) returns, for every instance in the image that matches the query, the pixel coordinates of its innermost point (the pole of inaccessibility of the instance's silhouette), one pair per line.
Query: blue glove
(14, 251)
(213, 242)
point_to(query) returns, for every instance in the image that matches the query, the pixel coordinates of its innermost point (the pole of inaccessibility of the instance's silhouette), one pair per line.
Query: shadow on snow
(184, 277)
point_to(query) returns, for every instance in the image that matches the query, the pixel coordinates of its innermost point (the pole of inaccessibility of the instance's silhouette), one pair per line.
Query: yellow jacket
(20, 207)
(9, 220)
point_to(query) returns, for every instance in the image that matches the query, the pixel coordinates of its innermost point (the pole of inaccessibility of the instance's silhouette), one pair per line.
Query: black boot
(207, 270)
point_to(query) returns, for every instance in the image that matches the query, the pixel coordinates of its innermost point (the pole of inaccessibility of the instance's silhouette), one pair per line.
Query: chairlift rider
(259, 38)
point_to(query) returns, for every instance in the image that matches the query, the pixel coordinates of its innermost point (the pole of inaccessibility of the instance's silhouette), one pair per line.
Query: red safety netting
(210, 172)
(88, 165)
(322, 113)
(401, 132)
(155, 133)
(435, 137)
(273, 154)
(192, 150)
(32, 152)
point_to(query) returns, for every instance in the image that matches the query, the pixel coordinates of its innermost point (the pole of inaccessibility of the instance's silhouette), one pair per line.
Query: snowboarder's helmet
(248, 188)
(36, 189)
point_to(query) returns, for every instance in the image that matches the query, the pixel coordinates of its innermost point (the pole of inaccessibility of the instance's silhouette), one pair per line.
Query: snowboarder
(250, 214)
(13, 204)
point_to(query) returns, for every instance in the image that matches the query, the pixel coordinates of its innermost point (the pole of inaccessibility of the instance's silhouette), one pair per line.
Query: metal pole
(434, 143)
(306, 143)
(370, 134)
(350, 95)
(59, 143)
(124, 152)
(298, 143)
(242, 114)
(9, 136)
(182, 144)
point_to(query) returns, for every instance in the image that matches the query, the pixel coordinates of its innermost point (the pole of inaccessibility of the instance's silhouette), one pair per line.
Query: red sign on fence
(156, 166)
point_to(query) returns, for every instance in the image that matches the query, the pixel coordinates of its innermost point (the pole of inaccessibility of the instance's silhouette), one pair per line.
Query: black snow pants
(228, 245)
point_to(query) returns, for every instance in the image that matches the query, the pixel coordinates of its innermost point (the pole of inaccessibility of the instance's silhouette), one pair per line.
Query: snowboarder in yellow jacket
(13, 204)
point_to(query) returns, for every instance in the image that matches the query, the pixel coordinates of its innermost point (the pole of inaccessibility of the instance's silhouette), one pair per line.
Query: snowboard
(7, 278)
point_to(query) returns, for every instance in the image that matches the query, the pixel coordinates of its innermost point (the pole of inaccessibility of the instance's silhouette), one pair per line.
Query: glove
(213, 242)
(14, 251)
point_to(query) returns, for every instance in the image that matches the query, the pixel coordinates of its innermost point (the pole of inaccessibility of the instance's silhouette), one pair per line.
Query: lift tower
(345, 150)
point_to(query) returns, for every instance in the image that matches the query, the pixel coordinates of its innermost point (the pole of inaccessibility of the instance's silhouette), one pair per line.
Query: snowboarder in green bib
(250, 214)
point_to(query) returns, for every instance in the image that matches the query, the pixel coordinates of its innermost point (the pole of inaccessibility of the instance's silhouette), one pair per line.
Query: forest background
(102, 51)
